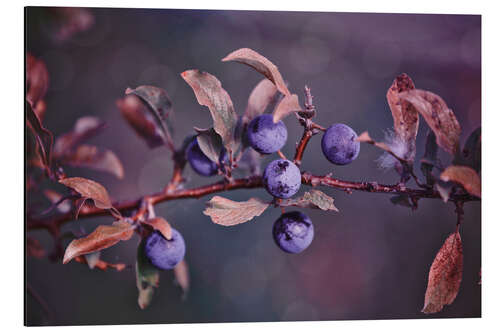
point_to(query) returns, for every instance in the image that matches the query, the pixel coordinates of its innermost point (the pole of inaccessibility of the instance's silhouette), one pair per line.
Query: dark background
(370, 261)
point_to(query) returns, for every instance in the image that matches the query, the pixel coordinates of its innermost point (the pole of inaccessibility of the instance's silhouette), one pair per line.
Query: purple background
(370, 261)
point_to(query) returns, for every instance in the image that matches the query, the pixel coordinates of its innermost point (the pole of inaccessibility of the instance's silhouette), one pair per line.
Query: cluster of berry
(293, 232)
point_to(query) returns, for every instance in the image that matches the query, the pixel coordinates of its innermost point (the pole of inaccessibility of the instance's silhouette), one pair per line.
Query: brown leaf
(287, 105)
(312, 199)
(437, 115)
(91, 157)
(445, 275)
(140, 117)
(228, 213)
(404, 114)
(161, 225)
(260, 98)
(181, 273)
(101, 238)
(89, 189)
(37, 80)
(43, 137)
(465, 176)
(84, 128)
(209, 92)
(158, 101)
(260, 64)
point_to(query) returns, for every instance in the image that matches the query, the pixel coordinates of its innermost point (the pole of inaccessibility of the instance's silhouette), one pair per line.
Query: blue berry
(282, 178)
(339, 144)
(293, 232)
(199, 161)
(266, 136)
(165, 254)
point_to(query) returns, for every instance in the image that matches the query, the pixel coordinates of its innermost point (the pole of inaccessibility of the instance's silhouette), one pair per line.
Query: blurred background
(370, 261)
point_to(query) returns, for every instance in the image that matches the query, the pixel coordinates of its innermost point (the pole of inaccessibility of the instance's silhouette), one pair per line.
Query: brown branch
(242, 183)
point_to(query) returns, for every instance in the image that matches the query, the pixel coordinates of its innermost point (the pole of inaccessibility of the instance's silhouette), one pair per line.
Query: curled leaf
(312, 199)
(404, 114)
(37, 80)
(161, 225)
(209, 92)
(210, 143)
(181, 272)
(89, 189)
(288, 105)
(93, 158)
(261, 64)
(158, 101)
(43, 137)
(260, 98)
(228, 213)
(438, 116)
(142, 120)
(445, 275)
(101, 238)
(465, 176)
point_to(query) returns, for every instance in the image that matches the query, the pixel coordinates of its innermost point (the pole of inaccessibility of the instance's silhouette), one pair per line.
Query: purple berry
(282, 178)
(165, 254)
(293, 232)
(199, 161)
(266, 136)
(339, 144)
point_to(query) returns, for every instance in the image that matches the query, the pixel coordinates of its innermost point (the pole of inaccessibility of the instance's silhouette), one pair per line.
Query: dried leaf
(260, 64)
(101, 238)
(89, 189)
(210, 143)
(437, 115)
(430, 157)
(312, 199)
(465, 176)
(37, 80)
(404, 114)
(91, 157)
(159, 102)
(43, 137)
(85, 128)
(161, 225)
(209, 92)
(445, 275)
(288, 105)
(147, 277)
(142, 120)
(181, 273)
(228, 213)
(260, 98)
